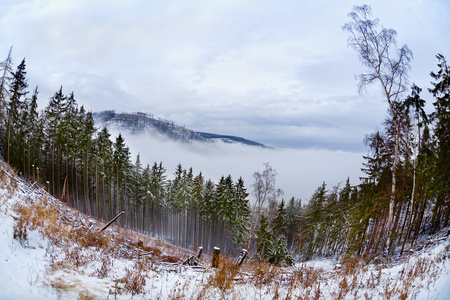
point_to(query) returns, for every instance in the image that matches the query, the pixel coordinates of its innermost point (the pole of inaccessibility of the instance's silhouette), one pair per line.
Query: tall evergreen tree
(103, 152)
(121, 165)
(242, 212)
(441, 118)
(279, 225)
(15, 109)
(293, 212)
(264, 240)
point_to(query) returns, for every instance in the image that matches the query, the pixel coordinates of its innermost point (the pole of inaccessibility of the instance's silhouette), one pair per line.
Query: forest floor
(51, 251)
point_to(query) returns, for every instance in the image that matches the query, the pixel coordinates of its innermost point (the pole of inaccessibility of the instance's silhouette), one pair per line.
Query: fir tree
(121, 167)
(15, 109)
(264, 240)
(441, 117)
(281, 255)
(242, 212)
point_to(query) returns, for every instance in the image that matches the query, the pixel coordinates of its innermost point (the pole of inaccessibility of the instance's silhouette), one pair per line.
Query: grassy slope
(54, 251)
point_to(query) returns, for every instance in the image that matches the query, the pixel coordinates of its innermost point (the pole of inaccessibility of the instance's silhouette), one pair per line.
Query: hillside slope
(164, 129)
(51, 251)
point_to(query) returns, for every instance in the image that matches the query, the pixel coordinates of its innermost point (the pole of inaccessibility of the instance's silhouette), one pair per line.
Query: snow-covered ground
(51, 259)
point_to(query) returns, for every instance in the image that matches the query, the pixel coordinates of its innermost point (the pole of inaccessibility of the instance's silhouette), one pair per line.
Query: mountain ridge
(138, 122)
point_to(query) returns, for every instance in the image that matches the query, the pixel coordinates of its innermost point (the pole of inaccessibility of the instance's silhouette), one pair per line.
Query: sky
(276, 72)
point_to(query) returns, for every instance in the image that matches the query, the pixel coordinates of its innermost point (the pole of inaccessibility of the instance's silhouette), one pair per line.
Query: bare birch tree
(264, 188)
(385, 64)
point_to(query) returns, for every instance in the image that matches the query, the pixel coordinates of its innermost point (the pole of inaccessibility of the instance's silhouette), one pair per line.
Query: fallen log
(110, 222)
(194, 260)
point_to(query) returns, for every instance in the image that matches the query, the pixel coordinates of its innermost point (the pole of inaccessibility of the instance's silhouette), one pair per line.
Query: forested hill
(146, 123)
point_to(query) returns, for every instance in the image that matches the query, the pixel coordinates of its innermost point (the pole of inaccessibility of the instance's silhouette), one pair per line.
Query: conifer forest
(404, 194)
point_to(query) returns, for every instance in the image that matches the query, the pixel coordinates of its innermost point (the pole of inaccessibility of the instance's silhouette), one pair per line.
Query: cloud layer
(300, 171)
(275, 72)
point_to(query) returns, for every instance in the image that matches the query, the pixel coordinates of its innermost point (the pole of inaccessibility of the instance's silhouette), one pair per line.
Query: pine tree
(103, 152)
(197, 199)
(121, 166)
(314, 217)
(281, 255)
(264, 240)
(53, 132)
(33, 131)
(279, 225)
(441, 118)
(15, 110)
(293, 213)
(242, 213)
(419, 119)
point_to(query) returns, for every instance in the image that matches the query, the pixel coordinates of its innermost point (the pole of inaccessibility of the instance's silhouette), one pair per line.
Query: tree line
(60, 148)
(403, 195)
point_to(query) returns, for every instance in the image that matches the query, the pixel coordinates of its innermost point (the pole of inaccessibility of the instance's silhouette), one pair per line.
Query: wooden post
(242, 256)
(63, 196)
(216, 257)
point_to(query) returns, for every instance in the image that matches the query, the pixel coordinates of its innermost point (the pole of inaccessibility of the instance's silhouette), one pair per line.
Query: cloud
(275, 72)
(300, 171)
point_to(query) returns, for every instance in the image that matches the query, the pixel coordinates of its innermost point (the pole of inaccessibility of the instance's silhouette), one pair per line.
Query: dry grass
(135, 279)
(7, 180)
(73, 246)
(222, 279)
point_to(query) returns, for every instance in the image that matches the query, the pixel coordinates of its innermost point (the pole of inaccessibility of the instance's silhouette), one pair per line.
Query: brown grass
(73, 245)
(222, 279)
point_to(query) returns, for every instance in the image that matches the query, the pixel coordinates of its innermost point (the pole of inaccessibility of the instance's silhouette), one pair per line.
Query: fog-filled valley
(300, 171)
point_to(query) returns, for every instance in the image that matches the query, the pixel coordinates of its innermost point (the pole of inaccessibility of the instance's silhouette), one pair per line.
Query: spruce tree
(279, 225)
(103, 151)
(293, 213)
(441, 118)
(33, 133)
(281, 255)
(15, 109)
(121, 166)
(242, 213)
(264, 240)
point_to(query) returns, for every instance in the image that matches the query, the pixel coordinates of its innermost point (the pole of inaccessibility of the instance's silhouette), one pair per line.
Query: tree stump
(199, 252)
(216, 257)
(242, 256)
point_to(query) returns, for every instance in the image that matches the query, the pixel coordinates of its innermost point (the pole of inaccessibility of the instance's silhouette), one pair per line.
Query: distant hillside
(165, 129)
(230, 139)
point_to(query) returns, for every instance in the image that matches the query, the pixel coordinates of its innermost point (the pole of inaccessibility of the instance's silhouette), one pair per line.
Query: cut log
(110, 222)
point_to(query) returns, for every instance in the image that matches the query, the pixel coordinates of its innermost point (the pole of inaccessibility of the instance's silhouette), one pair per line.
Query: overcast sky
(277, 72)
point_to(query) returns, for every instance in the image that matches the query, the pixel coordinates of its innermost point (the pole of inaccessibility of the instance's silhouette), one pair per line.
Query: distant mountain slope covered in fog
(163, 129)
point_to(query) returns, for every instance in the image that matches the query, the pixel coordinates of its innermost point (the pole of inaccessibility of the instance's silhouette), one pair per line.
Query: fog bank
(300, 171)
